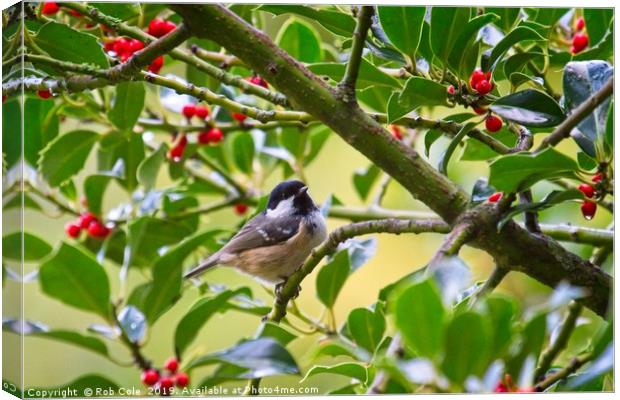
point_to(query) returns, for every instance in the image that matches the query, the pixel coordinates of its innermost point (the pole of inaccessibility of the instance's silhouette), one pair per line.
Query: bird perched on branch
(273, 244)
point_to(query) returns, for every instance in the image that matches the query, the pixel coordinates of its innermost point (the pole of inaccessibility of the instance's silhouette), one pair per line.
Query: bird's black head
(294, 191)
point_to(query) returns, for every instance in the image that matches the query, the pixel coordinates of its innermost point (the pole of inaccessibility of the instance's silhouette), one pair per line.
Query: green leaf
(332, 277)
(502, 311)
(66, 155)
(445, 158)
(581, 80)
(127, 105)
(122, 11)
(420, 316)
(35, 248)
(369, 75)
(517, 172)
(294, 140)
(336, 349)
(517, 35)
(466, 347)
(243, 151)
(532, 340)
(597, 21)
(165, 288)
(552, 199)
(417, 92)
(261, 357)
(146, 235)
(83, 386)
(275, 331)
(149, 167)
(40, 128)
(335, 21)
(121, 155)
(349, 369)
(459, 60)
(447, 24)
(75, 278)
(318, 138)
(475, 150)
(508, 16)
(77, 339)
(403, 26)
(609, 128)
(364, 179)
(12, 130)
(191, 323)
(530, 108)
(301, 41)
(366, 327)
(53, 38)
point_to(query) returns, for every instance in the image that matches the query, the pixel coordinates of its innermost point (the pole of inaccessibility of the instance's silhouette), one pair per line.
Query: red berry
(156, 27)
(165, 384)
(202, 112)
(134, 45)
(121, 46)
(597, 178)
(176, 153)
(483, 87)
(44, 94)
(172, 364)
(189, 110)
(396, 132)
(85, 220)
(73, 230)
(588, 209)
(494, 198)
(75, 13)
(451, 90)
(586, 189)
(500, 388)
(108, 46)
(169, 27)
(480, 110)
(156, 65)
(241, 208)
(214, 135)
(239, 117)
(181, 380)
(476, 77)
(493, 123)
(257, 80)
(98, 230)
(580, 42)
(50, 8)
(580, 23)
(150, 377)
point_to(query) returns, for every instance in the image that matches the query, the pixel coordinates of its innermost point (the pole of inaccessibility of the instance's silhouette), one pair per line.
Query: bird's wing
(263, 231)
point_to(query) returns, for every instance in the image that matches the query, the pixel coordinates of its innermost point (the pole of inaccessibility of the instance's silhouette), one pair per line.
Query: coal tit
(273, 244)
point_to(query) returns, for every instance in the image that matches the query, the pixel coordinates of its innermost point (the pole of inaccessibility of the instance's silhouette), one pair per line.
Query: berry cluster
(124, 48)
(481, 82)
(158, 27)
(165, 383)
(91, 224)
(580, 38)
(588, 207)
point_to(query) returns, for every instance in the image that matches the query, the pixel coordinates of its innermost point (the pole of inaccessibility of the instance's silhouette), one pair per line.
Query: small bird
(273, 244)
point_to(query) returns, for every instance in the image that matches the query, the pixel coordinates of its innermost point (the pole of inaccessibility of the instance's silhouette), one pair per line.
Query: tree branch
(395, 226)
(347, 84)
(573, 366)
(564, 129)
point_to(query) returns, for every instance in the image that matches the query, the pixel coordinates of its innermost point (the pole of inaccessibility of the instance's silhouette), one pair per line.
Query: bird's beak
(303, 190)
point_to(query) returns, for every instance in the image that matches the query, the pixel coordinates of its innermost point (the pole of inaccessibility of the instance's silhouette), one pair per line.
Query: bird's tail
(204, 266)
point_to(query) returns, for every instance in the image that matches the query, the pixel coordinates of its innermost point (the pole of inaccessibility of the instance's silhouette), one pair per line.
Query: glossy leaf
(122, 11)
(364, 179)
(459, 60)
(76, 339)
(348, 369)
(35, 248)
(84, 49)
(127, 105)
(149, 167)
(243, 151)
(301, 41)
(517, 172)
(456, 140)
(66, 155)
(403, 26)
(420, 316)
(277, 332)
(331, 278)
(502, 311)
(554, 198)
(466, 347)
(417, 92)
(529, 108)
(40, 127)
(146, 235)
(507, 16)
(581, 80)
(517, 35)
(72, 276)
(369, 75)
(597, 21)
(475, 150)
(447, 24)
(11, 130)
(366, 327)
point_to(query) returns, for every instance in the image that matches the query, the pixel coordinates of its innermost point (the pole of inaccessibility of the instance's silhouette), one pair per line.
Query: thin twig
(347, 84)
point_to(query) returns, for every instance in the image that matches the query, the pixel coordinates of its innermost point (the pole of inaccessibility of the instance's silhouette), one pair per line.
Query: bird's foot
(280, 286)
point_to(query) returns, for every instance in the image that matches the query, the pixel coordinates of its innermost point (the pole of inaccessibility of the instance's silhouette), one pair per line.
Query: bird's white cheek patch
(284, 208)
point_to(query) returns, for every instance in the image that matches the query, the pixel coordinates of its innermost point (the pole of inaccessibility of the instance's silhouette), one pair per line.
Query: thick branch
(338, 236)
(581, 112)
(347, 85)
